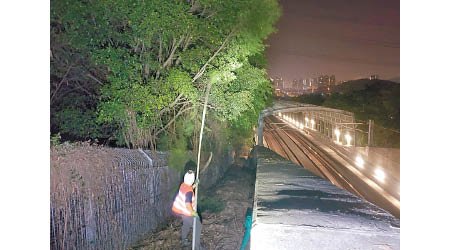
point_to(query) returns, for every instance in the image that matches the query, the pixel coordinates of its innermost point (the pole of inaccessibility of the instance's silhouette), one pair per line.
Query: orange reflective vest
(179, 204)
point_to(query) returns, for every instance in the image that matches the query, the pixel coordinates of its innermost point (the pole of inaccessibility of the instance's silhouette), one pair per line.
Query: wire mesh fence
(103, 198)
(382, 137)
(386, 137)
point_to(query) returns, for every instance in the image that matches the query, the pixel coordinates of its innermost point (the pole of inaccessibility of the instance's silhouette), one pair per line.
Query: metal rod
(350, 123)
(194, 229)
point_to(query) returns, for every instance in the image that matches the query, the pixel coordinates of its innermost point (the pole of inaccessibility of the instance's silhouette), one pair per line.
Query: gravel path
(223, 230)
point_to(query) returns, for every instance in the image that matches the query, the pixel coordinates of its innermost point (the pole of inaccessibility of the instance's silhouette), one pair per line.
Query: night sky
(350, 39)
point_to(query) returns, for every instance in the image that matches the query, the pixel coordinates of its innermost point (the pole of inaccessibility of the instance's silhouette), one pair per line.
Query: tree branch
(67, 92)
(202, 70)
(207, 163)
(175, 45)
(181, 111)
(95, 79)
(159, 56)
(83, 89)
(186, 44)
(160, 50)
(52, 98)
(172, 104)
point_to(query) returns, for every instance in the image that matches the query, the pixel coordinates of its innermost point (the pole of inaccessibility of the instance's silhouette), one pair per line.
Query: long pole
(198, 163)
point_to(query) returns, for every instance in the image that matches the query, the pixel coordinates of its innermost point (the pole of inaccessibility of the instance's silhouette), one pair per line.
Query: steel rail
(288, 153)
(318, 157)
(298, 140)
(284, 146)
(392, 205)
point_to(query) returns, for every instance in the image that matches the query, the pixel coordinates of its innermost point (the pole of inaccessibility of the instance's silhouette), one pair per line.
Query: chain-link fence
(104, 198)
(381, 136)
(108, 198)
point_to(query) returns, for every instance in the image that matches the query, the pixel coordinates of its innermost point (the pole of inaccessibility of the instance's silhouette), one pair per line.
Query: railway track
(298, 148)
(320, 162)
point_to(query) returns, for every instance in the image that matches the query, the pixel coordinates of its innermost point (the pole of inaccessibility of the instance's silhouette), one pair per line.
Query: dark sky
(348, 38)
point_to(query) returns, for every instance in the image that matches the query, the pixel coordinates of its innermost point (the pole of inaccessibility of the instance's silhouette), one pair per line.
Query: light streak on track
(295, 146)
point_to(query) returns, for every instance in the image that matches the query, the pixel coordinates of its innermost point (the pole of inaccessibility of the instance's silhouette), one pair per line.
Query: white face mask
(189, 178)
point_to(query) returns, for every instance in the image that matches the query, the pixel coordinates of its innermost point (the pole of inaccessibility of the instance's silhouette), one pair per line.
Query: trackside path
(223, 230)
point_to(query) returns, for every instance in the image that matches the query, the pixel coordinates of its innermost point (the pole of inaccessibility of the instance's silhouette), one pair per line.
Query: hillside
(362, 84)
(377, 100)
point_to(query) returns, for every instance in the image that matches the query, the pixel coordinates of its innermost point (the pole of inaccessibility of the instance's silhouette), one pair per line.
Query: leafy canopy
(157, 56)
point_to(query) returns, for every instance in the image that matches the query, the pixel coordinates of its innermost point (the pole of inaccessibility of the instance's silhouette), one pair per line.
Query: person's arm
(196, 183)
(189, 202)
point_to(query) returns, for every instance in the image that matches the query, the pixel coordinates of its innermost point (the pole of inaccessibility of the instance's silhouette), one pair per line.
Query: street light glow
(359, 162)
(301, 126)
(379, 174)
(337, 132)
(348, 138)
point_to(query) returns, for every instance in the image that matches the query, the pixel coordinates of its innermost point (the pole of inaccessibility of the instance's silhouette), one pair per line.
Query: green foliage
(315, 99)
(178, 155)
(258, 60)
(156, 58)
(376, 100)
(77, 122)
(385, 137)
(75, 118)
(177, 143)
(212, 204)
(55, 140)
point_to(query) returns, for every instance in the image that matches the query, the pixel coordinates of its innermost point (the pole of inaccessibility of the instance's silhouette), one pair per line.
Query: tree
(156, 57)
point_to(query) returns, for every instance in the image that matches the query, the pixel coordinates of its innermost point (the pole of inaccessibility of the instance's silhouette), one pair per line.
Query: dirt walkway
(223, 230)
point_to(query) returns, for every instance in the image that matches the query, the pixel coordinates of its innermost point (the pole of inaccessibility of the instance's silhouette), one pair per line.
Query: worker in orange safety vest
(183, 206)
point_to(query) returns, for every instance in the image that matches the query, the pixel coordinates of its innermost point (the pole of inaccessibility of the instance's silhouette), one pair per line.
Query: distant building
(297, 84)
(297, 87)
(373, 77)
(308, 85)
(305, 83)
(278, 85)
(332, 81)
(294, 83)
(321, 81)
(324, 84)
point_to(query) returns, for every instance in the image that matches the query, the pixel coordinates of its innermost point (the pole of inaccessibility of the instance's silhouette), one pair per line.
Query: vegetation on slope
(377, 100)
(134, 73)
